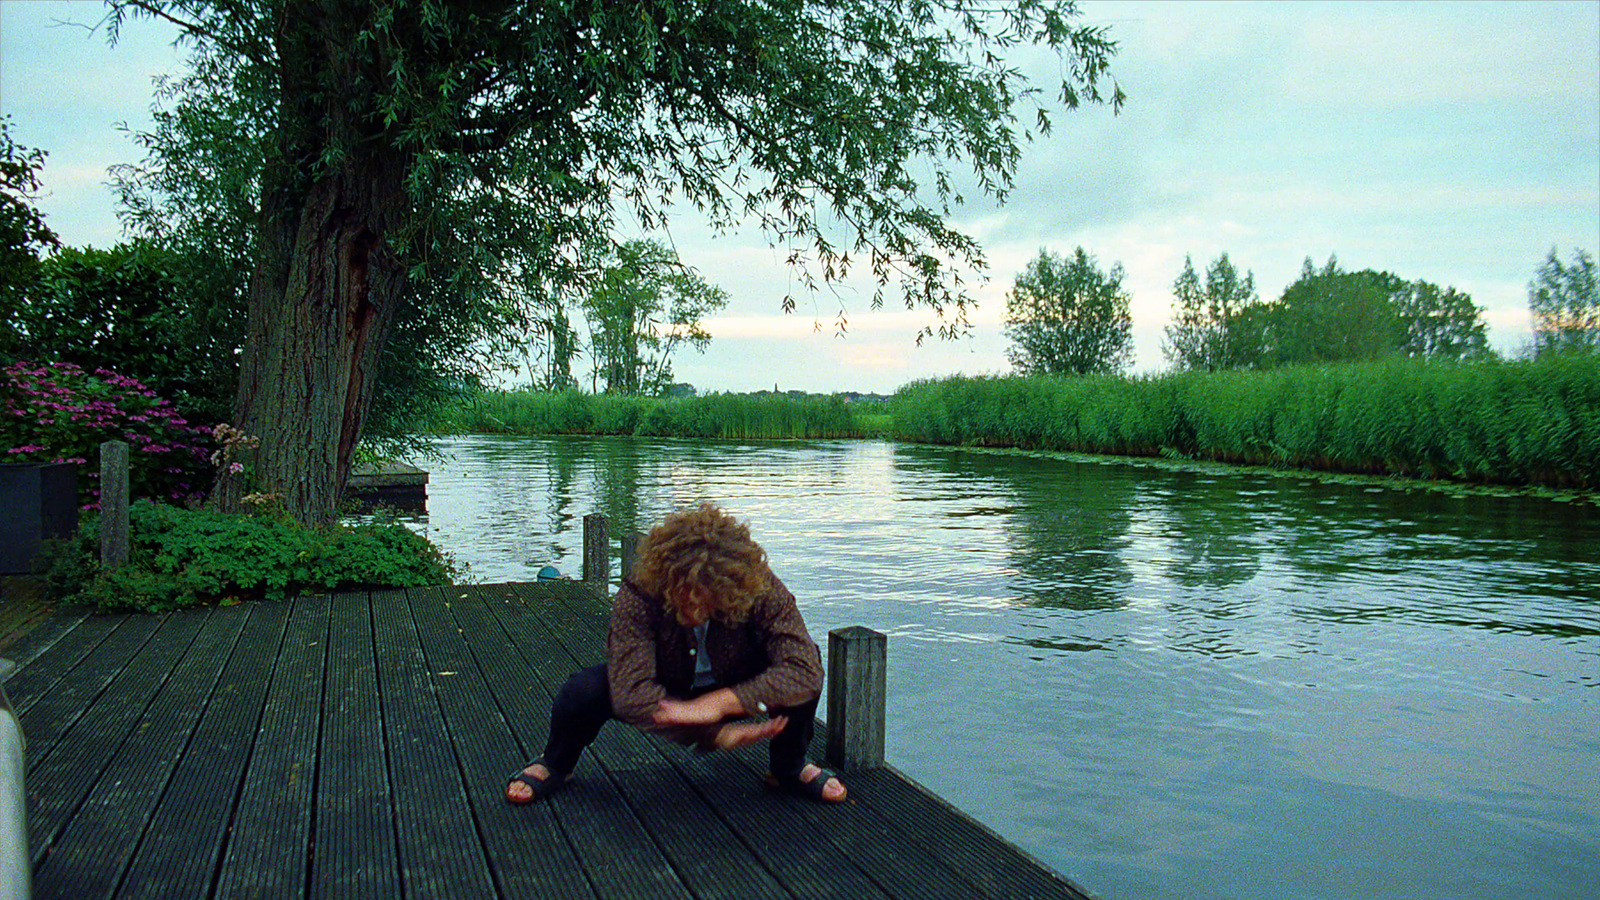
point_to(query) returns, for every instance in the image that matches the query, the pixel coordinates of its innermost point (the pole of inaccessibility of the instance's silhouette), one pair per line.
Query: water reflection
(1213, 525)
(1180, 683)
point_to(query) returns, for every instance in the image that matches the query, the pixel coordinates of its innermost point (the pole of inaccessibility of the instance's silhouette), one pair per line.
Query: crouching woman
(707, 647)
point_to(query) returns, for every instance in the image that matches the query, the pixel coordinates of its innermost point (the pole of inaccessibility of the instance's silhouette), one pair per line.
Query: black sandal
(809, 790)
(541, 787)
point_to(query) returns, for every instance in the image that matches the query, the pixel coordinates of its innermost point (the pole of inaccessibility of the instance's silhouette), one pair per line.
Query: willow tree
(645, 307)
(1206, 333)
(482, 144)
(1066, 316)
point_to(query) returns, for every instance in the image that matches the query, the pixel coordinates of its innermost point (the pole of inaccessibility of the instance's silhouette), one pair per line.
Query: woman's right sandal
(810, 790)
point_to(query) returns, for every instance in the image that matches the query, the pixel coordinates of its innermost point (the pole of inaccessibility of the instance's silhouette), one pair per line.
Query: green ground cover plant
(184, 557)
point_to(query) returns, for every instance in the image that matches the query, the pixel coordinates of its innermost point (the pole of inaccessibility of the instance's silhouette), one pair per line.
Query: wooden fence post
(630, 551)
(857, 665)
(597, 552)
(113, 504)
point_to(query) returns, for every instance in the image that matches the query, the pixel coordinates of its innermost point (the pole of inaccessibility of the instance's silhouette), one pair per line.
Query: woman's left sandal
(539, 788)
(809, 790)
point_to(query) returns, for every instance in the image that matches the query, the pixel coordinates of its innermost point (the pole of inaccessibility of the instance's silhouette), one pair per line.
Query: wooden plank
(73, 766)
(875, 844)
(356, 854)
(266, 853)
(361, 745)
(183, 845)
(524, 862)
(86, 668)
(68, 636)
(998, 867)
(89, 856)
(433, 815)
(24, 609)
(783, 840)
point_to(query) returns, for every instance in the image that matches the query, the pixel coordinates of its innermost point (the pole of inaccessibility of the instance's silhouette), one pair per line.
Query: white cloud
(1429, 54)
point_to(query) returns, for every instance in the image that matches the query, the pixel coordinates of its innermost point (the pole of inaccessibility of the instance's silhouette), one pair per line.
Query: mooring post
(630, 551)
(597, 552)
(857, 665)
(113, 504)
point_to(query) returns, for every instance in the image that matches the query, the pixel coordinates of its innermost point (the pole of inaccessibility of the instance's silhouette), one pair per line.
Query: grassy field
(1496, 422)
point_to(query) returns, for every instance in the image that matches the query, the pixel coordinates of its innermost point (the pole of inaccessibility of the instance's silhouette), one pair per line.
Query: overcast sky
(1453, 142)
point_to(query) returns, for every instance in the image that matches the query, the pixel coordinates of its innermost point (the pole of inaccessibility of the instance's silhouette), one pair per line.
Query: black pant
(584, 705)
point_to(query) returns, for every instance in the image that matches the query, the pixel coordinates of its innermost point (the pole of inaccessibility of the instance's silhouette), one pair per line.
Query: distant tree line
(1067, 316)
(1326, 315)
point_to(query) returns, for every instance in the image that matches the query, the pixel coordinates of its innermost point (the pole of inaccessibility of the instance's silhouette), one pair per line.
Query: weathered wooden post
(630, 551)
(113, 504)
(857, 666)
(597, 552)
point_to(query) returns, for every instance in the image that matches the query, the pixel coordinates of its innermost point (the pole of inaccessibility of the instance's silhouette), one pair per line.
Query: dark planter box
(38, 501)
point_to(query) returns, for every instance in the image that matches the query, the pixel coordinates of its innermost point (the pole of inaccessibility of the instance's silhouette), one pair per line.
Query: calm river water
(1162, 683)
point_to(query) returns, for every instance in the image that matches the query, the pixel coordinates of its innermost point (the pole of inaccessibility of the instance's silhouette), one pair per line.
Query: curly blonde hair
(702, 547)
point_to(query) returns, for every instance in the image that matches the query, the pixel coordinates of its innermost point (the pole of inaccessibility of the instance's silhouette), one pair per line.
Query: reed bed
(715, 416)
(1506, 422)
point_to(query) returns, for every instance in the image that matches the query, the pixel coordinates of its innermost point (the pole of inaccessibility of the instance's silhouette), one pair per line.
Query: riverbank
(763, 416)
(1497, 422)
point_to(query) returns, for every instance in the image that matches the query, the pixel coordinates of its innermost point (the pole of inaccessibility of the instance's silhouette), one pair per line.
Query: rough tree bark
(321, 305)
(324, 287)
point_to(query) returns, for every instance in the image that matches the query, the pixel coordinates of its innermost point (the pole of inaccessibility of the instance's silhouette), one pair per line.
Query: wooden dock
(358, 745)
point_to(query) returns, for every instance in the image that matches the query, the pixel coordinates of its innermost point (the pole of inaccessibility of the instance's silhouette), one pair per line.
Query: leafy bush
(58, 412)
(183, 557)
(144, 311)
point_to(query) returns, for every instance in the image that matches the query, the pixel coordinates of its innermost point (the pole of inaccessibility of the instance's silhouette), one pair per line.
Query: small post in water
(857, 664)
(113, 504)
(596, 552)
(630, 551)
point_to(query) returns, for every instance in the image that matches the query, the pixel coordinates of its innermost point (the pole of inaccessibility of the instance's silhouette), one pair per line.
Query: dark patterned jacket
(769, 661)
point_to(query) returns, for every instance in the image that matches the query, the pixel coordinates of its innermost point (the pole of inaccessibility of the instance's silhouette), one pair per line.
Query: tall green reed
(1516, 422)
(716, 416)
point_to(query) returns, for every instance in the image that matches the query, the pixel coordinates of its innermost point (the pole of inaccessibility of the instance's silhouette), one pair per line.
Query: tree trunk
(321, 302)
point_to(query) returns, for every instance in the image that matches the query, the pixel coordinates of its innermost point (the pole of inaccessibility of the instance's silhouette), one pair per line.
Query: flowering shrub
(58, 412)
